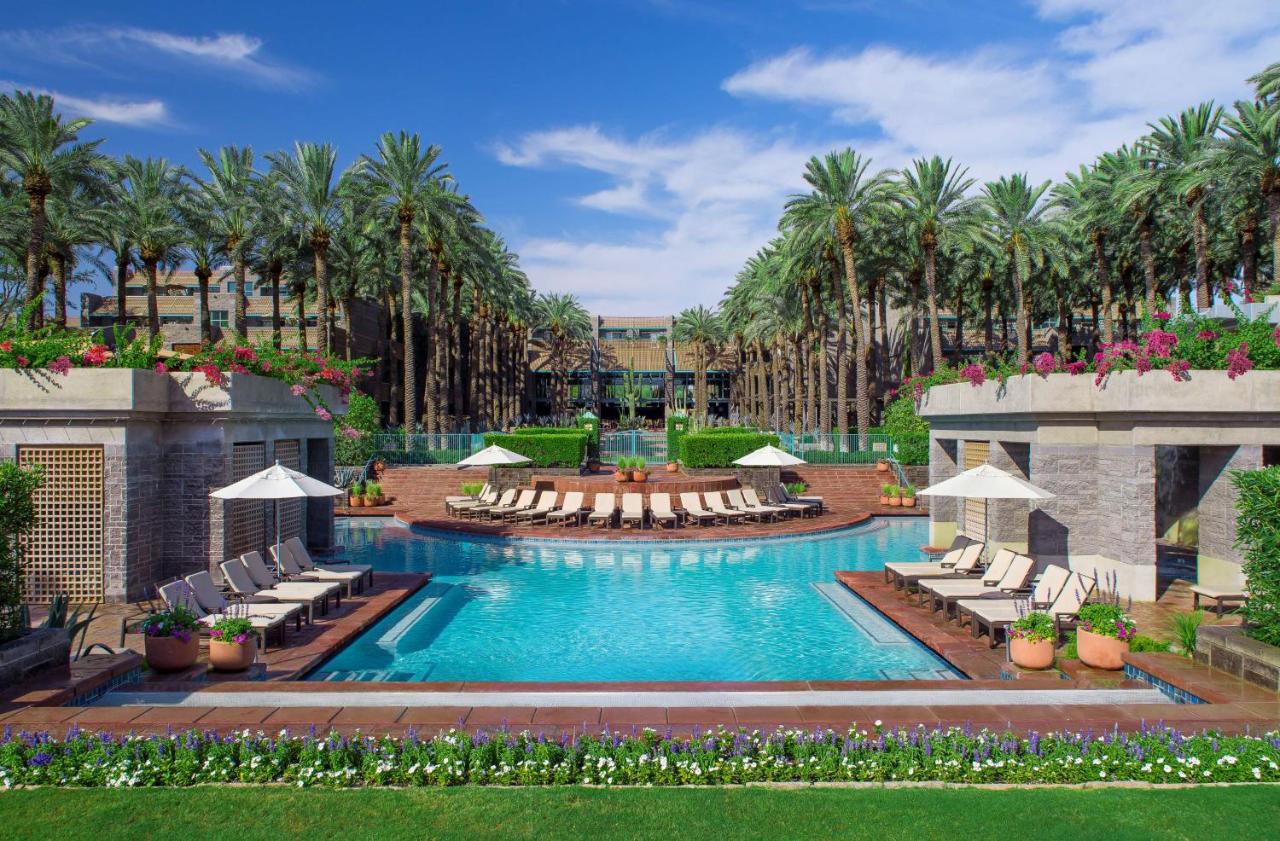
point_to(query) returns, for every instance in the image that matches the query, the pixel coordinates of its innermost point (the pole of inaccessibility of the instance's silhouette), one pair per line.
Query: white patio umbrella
(769, 456)
(493, 456)
(277, 482)
(986, 482)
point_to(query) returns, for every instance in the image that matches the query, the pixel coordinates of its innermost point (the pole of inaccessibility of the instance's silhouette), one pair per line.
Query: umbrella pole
(279, 566)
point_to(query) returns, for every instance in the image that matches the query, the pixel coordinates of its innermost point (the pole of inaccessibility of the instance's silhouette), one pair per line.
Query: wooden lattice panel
(246, 521)
(976, 454)
(288, 453)
(64, 551)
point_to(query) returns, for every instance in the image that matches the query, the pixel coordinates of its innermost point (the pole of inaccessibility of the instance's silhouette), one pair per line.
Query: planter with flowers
(1031, 641)
(233, 644)
(638, 473)
(171, 639)
(355, 494)
(1103, 636)
(908, 493)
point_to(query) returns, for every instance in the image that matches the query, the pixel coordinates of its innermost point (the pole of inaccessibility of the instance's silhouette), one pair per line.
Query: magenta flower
(245, 354)
(1077, 367)
(350, 432)
(1162, 316)
(1209, 335)
(1160, 343)
(1045, 364)
(1142, 364)
(96, 355)
(61, 365)
(972, 372)
(1238, 361)
(298, 390)
(161, 368)
(323, 413)
(1178, 368)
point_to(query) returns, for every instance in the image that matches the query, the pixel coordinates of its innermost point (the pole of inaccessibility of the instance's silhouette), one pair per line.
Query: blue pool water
(503, 610)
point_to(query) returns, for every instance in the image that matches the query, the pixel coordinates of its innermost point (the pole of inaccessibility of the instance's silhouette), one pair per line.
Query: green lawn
(244, 813)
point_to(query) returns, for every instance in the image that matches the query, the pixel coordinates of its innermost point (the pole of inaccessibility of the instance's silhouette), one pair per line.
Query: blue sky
(636, 152)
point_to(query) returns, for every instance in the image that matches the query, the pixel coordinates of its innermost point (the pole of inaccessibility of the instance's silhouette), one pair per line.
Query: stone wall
(1226, 648)
(944, 511)
(1219, 561)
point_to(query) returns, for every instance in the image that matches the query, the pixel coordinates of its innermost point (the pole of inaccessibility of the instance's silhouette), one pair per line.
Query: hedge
(723, 757)
(364, 416)
(1258, 537)
(715, 448)
(593, 439)
(546, 447)
(675, 435)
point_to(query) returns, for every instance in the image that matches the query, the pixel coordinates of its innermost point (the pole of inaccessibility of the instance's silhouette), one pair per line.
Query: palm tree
(307, 180)
(1087, 198)
(151, 195)
(1021, 231)
(936, 213)
(70, 225)
(843, 196)
(205, 245)
(277, 244)
(567, 323)
(1251, 153)
(701, 328)
(43, 151)
(230, 211)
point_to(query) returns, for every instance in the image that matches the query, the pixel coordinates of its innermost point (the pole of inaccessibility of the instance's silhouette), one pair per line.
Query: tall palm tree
(842, 199)
(231, 211)
(1086, 197)
(1251, 153)
(44, 152)
(567, 324)
(205, 245)
(153, 190)
(405, 177)
(937, 213)
(277, 245)
(307, 179)
(701, 328)
(1021, 231)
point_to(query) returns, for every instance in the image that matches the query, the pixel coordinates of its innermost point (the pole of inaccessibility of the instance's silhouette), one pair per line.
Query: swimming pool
(525, 610)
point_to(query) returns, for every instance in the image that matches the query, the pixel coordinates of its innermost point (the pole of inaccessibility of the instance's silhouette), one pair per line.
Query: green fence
(650, 446)
(838, 448)
(426, 449)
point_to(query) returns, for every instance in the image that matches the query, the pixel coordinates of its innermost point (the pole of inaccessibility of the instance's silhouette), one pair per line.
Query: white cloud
(233, 52)
(1114, 66)
(142, 113)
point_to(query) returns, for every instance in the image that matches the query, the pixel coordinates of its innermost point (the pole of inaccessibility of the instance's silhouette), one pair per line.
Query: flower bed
(716, 758)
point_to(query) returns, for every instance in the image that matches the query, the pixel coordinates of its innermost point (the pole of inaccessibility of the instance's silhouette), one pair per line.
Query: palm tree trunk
(300, 312)
(931, 298)
(61, 266)
(1148, 267)
(122, 289)
(824, 382)
(206, 321)
(798, 385)
(1022, 325)
(276, 269)
(781, 398)
(1273, 217)
(1200, 235)
(958, 340)
(1104, 282)
(988, 328)
(35, 254)
(241, 323)
(1249, 255)
(395, 384)
(406, 329)
(321, 246)
(153, 304)
(455, 355)
(861, 396)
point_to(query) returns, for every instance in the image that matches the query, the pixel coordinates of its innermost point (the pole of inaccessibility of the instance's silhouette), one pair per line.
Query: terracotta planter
(882, 466)
(620, 476)
(673, 467)
(1101, 652)
(371, 501)
(895, 501)
(639, 476)
(170, 654)
(884, 500)
(231, 657)
(355, 501)
(908, 502)
(1031, 655)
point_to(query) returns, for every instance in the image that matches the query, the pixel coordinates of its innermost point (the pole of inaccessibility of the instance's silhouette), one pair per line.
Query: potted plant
(355, 496)
(894, 499)
(673, 467)
(638, 473)
(171, 640)
(373, 493)
(1031, 641)
(1103, 636)
(884, 493)
(622, 474)
(908, 496)
(233, 645)
(882, 465)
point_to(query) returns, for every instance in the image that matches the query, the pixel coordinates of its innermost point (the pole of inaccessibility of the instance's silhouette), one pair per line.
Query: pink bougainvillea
(1238, 361)
(1078, 367)
(1209, 336)
(162, 368)
(1162, 316)
(350, 432)
(324, 413)
(61, 365)
(1045, 364)
(1160, 343)
(212, 373)
(974, 373)
(1179, 368)
(96, 355)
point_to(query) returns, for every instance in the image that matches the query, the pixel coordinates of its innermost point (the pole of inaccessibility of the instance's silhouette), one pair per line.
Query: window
(218, 318)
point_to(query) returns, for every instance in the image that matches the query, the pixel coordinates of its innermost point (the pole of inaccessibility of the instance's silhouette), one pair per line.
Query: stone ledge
(1227, 649)
(41, 650)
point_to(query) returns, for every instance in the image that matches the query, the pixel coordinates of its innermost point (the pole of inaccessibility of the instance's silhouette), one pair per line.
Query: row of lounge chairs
(709, 508)
(269, 601)
(991, 598)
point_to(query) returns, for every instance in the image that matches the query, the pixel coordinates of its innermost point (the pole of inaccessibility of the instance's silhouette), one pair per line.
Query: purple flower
(40, 760)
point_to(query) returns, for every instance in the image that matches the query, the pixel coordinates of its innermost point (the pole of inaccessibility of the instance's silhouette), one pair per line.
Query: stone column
(1007, 518)
(1219, 561)
(945, 513)
(319, 464)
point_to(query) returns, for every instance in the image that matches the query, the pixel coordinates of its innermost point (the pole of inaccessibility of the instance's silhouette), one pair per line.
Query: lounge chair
(465, 497)
(457, 507)
(1018, 571)
(804, 509)
(603, 511)
(303, 559)
(179, 593)
(754, 504)
(660, 510)
(211, 600)
(347, 579)
(523, 502)
(715, 504)
(1220, 596)
(693, 509)
(264, 578)
(237, 577)
(572, 510)
(632, 510)
(482, 510)
(808, 500)
(961, 561)
(546, 504)
(993, 615)
(985, 576)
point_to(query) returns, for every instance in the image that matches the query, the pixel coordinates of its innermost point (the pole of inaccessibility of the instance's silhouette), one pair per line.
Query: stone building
(130, 458)
(1140, 466)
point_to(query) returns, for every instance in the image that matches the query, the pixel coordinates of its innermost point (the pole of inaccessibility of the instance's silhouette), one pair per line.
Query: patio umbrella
(493, 456)
(769, 456)
(277, 482)
(986, 482)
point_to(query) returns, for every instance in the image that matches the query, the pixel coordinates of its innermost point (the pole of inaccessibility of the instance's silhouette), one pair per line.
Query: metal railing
(421, 448)
(837, 448)
(651, 446)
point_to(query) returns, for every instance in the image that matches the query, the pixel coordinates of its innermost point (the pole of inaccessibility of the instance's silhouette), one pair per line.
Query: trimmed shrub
(593, 436)
(365, 418)
(546, 447)
(17, 519)
(717, 448)
(1258, 537)
(677, 428)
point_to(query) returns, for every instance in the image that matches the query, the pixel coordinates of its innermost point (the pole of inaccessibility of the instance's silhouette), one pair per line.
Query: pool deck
(997, 696)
